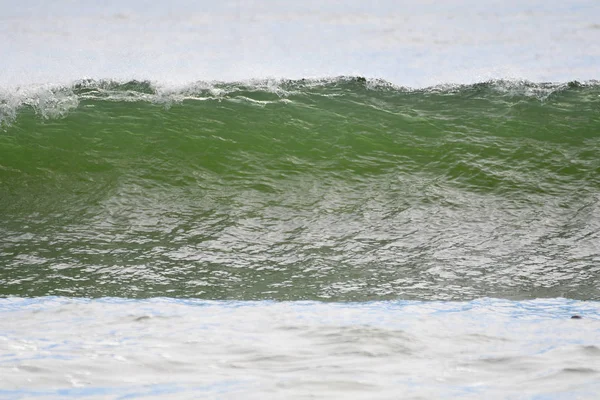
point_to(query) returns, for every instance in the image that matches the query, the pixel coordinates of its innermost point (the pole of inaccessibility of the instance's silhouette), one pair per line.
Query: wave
(333, 189)
(55, 101)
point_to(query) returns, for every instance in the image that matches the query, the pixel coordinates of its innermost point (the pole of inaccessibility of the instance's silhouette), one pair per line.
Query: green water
(333, 190)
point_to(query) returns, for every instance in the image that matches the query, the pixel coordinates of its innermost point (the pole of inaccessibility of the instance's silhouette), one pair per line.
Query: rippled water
(335, 190)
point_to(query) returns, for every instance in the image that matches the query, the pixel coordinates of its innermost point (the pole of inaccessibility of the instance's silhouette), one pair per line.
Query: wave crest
(55, 101)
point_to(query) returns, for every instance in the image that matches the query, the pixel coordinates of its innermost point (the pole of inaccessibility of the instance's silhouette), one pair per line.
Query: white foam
(48, 101)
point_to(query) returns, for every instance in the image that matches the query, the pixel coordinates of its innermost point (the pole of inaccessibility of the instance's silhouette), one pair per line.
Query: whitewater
(263, 199)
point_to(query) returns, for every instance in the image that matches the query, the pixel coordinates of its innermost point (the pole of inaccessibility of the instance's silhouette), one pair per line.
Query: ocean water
(59, 347)
(273, 200)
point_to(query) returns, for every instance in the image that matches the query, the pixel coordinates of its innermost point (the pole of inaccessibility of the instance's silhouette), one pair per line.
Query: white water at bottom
(114, 348)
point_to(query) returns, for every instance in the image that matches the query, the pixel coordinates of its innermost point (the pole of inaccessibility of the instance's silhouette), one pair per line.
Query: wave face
(338, 189)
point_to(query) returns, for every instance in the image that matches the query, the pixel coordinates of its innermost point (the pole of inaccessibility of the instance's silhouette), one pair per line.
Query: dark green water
(336, 190)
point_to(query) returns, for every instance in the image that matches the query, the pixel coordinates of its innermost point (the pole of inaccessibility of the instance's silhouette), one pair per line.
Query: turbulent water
(115, 348)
